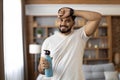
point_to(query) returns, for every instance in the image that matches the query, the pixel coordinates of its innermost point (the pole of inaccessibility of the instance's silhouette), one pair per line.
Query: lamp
(117, 59)
(35, 49)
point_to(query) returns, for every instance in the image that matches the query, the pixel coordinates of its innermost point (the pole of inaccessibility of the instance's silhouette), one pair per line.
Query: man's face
(65, 25)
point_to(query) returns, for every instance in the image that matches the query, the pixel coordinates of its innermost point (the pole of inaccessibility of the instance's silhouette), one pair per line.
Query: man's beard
(67, 31)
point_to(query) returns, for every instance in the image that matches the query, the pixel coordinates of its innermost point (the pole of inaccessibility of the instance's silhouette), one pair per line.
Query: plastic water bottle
(48, 72)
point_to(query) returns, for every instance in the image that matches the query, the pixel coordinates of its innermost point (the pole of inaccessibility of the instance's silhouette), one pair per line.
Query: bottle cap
(47, 52)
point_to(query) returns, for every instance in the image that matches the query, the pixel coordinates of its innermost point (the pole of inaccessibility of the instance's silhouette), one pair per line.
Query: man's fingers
(64, 13)
(45, 64)
(61, 13)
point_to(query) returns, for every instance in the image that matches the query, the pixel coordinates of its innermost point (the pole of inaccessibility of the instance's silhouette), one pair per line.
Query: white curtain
(12, 36)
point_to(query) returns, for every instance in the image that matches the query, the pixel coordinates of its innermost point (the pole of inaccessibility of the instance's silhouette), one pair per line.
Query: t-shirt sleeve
(82, 34)
(44, 47)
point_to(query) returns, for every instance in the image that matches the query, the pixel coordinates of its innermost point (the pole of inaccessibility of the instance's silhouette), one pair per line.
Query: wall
(51, 9)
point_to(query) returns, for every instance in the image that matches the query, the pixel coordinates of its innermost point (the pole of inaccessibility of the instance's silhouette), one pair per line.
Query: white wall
(51, 9)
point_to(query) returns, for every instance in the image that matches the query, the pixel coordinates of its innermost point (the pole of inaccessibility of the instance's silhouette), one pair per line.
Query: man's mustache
(63, 26)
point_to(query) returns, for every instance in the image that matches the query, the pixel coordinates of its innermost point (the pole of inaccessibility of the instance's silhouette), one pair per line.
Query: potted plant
(39, 33)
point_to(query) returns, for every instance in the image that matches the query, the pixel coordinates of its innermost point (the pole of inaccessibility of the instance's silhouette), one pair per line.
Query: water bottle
(48, 72)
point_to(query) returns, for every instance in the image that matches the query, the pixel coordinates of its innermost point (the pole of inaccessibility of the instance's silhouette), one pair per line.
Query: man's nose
(63, 23)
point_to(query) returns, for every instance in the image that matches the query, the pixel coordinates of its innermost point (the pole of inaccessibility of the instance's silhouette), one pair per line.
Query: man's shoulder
(50, 38)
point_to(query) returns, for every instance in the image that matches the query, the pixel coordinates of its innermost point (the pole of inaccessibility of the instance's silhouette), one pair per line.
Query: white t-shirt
(67, 52)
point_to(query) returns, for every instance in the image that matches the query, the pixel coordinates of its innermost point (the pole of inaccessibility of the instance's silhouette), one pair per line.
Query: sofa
(96, 72)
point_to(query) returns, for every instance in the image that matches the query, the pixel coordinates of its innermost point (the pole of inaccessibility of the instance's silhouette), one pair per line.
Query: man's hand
(44, 64)
(65, 12)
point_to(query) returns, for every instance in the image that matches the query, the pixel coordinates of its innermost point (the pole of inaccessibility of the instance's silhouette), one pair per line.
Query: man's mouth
(63, 27)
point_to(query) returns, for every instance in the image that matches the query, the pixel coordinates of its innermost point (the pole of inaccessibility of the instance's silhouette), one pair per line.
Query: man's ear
(73, 23)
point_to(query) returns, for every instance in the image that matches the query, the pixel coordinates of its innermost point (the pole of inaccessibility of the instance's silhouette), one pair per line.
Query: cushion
(95, 72)
(111, 75)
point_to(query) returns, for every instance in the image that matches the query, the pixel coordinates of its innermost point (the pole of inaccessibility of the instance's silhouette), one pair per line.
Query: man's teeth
(63, 27)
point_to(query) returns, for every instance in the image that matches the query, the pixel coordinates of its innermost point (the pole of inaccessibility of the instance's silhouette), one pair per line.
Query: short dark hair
(73, 17)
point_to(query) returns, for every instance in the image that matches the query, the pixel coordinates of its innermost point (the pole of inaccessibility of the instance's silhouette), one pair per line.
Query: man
(67, 46)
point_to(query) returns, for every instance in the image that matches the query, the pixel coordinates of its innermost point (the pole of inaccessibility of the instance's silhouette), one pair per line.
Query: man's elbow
(99, 16)
(89, 33)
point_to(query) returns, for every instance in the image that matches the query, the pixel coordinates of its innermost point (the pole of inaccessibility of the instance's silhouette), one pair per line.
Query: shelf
(98, 46)
(95, 48)
(46, 27)
(103, 37)
(96, 59)
(40, 38)
(103, 26)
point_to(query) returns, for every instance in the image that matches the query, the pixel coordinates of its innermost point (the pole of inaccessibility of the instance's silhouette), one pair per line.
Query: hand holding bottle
(44, 64)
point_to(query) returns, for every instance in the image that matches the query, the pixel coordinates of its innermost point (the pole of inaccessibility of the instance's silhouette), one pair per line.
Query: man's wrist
(42, 71)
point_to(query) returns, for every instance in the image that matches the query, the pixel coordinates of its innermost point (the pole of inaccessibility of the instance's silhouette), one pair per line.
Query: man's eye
(61, 20)
(67, 21)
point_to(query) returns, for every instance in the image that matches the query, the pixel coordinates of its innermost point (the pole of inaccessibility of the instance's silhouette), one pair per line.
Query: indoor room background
(20, 29)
